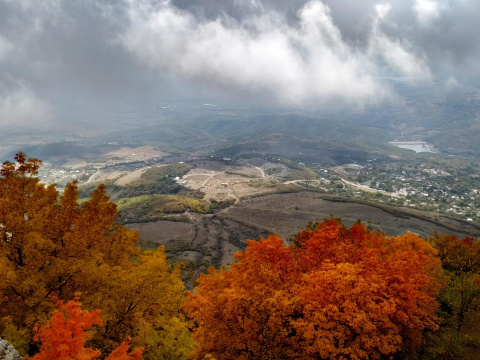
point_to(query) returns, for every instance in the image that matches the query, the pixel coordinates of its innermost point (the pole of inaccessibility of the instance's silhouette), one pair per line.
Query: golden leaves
(51, 247)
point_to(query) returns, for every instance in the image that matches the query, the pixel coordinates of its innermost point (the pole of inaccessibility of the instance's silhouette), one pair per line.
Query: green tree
(460, 300)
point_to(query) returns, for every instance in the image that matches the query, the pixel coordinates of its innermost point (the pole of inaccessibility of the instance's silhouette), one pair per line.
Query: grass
(153, 206)
(260, 183)
(239, 173)
(303, 174)
(156, 174)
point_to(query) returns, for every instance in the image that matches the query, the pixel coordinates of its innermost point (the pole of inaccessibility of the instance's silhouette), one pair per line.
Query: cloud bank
(57, 54)
(260, 55)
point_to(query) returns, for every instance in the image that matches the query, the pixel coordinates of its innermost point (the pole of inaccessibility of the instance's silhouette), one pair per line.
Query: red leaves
(336, 293)
(64, 336)
(121, 352)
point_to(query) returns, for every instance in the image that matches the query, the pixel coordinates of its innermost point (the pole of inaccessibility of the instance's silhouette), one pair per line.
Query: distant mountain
(55, 149)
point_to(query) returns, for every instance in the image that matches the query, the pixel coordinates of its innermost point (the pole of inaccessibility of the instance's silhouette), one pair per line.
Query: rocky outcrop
(8, 352)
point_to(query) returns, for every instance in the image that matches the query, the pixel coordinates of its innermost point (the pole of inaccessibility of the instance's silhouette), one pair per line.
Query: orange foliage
(51, 246)
(64, 336)
(335, 293)
(121, 352)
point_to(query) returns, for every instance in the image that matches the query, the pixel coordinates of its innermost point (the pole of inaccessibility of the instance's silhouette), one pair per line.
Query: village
(444, 187)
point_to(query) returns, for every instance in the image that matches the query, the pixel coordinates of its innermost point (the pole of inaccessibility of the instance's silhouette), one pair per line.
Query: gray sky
(59, 55)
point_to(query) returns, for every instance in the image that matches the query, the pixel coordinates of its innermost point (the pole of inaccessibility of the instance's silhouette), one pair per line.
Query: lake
(415, 146)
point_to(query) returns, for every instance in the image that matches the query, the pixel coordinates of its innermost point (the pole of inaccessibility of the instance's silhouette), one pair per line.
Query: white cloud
(426, 11)
(260, 56)
(382, 10)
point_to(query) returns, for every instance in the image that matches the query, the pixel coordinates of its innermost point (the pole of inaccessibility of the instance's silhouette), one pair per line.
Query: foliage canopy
(335, 293)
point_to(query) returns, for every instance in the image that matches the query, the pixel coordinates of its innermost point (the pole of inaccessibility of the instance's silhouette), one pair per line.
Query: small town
(446, 188)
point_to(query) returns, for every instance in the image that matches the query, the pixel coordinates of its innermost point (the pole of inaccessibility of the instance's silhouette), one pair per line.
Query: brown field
(213, 239)
(220, 181)
(161, 232)
(287, 213)
(140, 153)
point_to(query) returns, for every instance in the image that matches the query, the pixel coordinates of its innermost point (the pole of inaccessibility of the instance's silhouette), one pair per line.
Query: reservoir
(416, 146)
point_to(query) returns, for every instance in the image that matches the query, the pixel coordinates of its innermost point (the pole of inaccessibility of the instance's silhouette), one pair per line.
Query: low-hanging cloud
(20, 107)
(61, 54)
(398, 54)
(259, 56)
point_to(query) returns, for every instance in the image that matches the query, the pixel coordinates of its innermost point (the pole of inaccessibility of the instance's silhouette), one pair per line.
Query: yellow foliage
(52, 247)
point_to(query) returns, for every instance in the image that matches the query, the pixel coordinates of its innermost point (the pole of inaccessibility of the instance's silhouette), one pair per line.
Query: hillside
(213, 239)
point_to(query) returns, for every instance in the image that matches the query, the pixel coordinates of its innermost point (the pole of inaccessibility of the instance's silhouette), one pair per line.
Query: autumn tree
(51, 247)
(64, 336)
(460, 300)
(334, 293)
(461, 259)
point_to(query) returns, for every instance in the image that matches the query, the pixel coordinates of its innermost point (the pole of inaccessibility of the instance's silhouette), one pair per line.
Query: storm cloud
(55, 54)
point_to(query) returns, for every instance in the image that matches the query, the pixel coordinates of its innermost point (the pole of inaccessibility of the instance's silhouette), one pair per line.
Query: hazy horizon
(85, 63)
